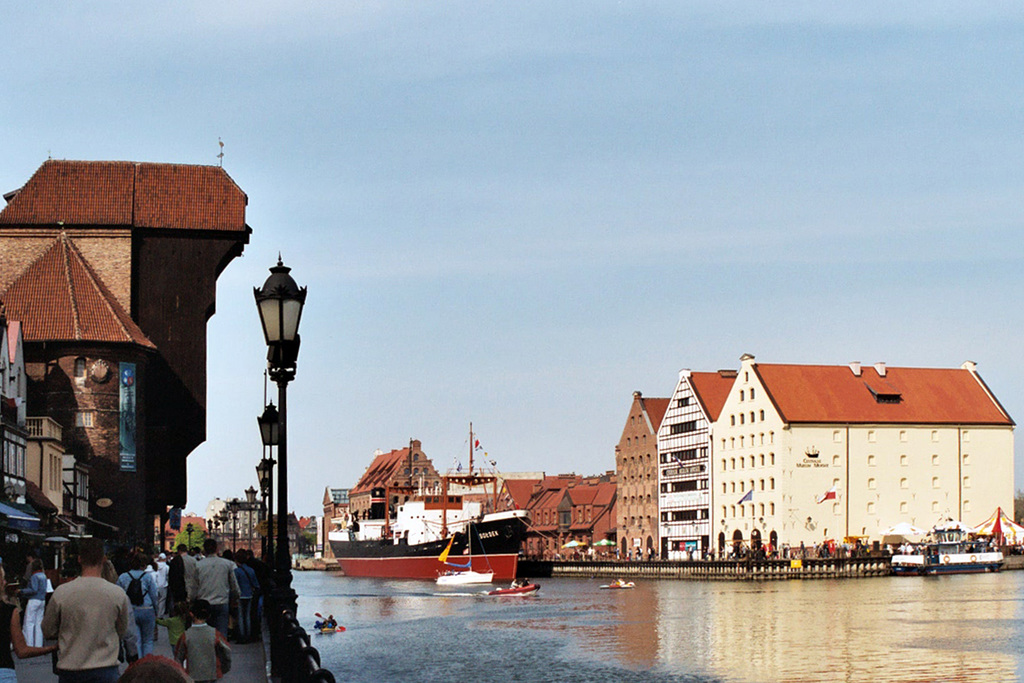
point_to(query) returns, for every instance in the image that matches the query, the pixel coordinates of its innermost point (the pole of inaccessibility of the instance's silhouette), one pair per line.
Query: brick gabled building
(568, 507)
(399, 473)
(636, 462)
(112, 267)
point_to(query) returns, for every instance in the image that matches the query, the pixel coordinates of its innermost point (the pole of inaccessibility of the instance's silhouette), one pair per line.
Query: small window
(871, 461)
(80, 368)
(935, 482)
(871, 436)
(935, 436)
(935, 460)
(83, 418)
(967, 435)
(967, 506)
(741, 394)
(903, 435)
(903, 507)
(837, 436)
(751, 393)
(835, 461)
(741, 418)
(732, 420)
(903, 461)
(871, 508)
(762, 420)
(967, 459)
(903, 483)
(871, 483)
(935, 506)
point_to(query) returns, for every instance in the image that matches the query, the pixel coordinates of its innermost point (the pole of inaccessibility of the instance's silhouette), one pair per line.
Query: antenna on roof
(220, 156)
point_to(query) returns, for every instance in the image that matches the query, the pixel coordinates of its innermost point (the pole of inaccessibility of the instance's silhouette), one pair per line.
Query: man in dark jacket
(180, 570)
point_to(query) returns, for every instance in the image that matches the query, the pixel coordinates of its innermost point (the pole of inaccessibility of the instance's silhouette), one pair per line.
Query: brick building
(636, 461)
(565, 508)
(399, 473)
(112, 268)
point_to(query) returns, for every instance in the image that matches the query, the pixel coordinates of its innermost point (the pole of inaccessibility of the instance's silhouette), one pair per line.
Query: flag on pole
(476, 445)
(828, 495)
(747, 497)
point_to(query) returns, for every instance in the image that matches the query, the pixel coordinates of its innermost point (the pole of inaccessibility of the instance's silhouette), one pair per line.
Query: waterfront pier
(714, 570)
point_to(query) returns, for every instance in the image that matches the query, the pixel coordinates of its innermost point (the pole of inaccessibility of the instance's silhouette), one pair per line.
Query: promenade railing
(292, 658)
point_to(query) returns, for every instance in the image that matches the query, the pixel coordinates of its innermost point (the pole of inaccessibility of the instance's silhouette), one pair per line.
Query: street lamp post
(188, 529)
(280, 303)
(250, 499)
(269, 433)
(233, 505)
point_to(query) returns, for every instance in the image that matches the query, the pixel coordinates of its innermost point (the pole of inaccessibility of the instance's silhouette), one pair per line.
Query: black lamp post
(250, 499)
(264, 471)
(280, 304)
(233, 505)
(188, 529)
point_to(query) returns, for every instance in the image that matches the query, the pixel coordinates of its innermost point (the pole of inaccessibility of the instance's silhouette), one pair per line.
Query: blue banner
(127, 382)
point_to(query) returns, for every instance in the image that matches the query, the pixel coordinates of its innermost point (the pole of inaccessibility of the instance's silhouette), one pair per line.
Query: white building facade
(684, 463)
(805, 454)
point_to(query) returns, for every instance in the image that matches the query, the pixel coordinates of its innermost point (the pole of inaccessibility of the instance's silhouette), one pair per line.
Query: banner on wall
(127, 417)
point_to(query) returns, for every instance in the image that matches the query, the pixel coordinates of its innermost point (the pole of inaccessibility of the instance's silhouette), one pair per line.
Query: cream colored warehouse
(805, 453)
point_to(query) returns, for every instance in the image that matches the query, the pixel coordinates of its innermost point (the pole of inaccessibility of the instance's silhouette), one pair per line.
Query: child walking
(176, 624)
(204, 651)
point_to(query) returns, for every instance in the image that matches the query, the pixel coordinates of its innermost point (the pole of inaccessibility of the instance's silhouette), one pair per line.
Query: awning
(17, 519)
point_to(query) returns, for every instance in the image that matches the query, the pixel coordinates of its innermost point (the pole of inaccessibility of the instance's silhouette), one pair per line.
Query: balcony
(44, 428)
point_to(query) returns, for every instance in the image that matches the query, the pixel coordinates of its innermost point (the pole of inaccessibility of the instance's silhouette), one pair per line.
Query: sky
(518, 214)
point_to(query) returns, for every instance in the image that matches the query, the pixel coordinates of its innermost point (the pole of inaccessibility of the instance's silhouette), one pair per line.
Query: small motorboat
(463, 578)
(619, 584)
(519, 590)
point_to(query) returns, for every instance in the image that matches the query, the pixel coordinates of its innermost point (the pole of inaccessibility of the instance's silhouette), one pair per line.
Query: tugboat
(950, 553)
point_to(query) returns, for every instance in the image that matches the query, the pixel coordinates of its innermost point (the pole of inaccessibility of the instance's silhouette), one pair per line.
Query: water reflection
(954, 628)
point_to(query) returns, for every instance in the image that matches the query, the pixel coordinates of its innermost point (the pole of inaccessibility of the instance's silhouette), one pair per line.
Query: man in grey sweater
(216, 583)
(88, 616)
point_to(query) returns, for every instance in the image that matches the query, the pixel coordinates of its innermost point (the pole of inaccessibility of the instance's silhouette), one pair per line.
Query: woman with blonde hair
(11, 636)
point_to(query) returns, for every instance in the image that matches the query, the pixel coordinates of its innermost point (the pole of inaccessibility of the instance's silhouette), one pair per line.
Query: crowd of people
(108, 612)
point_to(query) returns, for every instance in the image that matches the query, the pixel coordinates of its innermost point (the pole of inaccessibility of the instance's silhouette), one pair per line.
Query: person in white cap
(161, 584)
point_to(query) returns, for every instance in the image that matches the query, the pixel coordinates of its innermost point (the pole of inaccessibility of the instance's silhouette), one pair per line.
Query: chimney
(880, 369)
(855, 367)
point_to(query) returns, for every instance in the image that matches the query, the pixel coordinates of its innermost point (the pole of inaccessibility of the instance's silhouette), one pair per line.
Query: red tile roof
(127, 193)
(829, 394)
(655, 409)
(381, 471)
(520, 491)
(59, 298)
(712, 388)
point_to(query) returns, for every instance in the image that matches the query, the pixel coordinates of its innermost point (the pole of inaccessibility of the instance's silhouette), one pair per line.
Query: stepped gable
(128, 194)
(59, 298)
(712, 389)
(830, 394)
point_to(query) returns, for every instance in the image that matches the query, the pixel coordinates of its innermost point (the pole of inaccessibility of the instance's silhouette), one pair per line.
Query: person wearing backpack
(142, 594)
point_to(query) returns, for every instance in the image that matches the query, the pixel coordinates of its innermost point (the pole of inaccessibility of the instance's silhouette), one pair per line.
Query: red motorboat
(525, 589)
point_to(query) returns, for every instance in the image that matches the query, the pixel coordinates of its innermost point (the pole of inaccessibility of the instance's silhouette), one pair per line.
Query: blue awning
(16, 519)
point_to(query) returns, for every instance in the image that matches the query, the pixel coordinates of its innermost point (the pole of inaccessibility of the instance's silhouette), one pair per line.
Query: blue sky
(517, 214)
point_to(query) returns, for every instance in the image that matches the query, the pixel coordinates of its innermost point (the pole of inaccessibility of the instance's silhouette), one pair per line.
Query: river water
(949, 628)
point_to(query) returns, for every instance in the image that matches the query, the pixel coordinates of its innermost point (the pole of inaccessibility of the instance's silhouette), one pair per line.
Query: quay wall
(715, 570)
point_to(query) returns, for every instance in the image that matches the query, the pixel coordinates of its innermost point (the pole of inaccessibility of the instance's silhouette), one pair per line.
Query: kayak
(619, 585)
(325, 631)
(528, 589)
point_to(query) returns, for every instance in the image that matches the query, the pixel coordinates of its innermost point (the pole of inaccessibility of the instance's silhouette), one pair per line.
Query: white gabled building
(807, 453)
(684, 464)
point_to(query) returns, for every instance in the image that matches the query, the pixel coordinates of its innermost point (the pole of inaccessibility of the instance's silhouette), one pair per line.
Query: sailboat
(462, 574)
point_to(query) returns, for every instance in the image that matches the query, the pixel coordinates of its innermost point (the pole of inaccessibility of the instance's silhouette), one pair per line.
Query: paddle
(338, 628)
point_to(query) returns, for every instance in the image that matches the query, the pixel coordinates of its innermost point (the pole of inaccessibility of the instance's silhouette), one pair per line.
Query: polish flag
(828, 495)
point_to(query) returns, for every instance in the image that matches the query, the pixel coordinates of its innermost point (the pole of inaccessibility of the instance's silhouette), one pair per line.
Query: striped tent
(1001, 527)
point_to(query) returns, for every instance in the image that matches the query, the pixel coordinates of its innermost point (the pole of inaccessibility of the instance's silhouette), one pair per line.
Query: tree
(198, 538)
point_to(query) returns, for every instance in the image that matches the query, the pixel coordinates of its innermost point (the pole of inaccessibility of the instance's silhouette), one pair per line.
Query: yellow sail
(443, 557)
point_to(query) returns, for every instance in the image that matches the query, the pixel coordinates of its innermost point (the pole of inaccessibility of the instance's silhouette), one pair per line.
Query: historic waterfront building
(397, 475)
(807, 453)
(636, 465)
(685, 450)
(569, 514)
(111, 267)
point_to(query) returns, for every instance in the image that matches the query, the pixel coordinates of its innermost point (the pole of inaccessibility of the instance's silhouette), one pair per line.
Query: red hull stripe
(503, 566)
